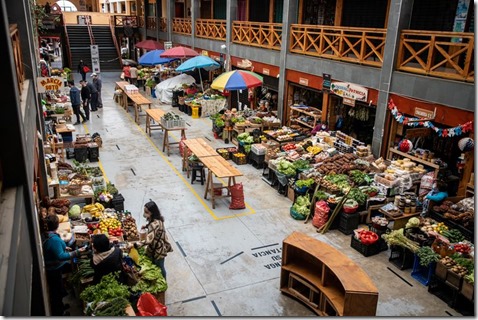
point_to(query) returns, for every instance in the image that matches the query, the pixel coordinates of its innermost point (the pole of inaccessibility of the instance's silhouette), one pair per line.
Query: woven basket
(74, 190)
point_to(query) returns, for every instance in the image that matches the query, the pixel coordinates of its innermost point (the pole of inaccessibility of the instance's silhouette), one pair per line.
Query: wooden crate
(454, 280)
(441, 270)
(467, 290)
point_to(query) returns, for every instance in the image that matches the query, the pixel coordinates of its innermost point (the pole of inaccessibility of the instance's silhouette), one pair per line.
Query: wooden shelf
(416, 159)
(301, 110)
(303, 123)
(326, 280)
(295, 113)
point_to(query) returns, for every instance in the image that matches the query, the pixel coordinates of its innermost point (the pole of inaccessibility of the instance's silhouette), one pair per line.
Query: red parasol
(149, 45)
(179, 52)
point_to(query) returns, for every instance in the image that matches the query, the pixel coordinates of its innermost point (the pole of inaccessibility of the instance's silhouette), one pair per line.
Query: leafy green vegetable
(110, 308)
(321, 195)
(470, 277)
(304, 183)
(464, 262)
(301, 164)
(151, 279)
(302, 205)
(358, 195)
(285, 167)
(108, 288)
(359, 177)
(426, 256)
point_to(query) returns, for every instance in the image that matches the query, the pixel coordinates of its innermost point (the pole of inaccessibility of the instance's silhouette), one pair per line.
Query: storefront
(433, 130)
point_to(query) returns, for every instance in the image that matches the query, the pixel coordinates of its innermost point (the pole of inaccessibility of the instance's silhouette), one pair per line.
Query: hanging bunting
(415, 122)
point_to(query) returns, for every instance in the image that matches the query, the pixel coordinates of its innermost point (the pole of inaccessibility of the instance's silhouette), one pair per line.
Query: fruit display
(96, 209)
(112, 226)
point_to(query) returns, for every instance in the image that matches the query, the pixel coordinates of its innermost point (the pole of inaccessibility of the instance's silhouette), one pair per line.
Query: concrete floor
(215, 269)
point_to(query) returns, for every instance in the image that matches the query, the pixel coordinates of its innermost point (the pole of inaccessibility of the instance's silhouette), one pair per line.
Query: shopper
(127, 74)
(75, 99)
(56, 47)
(156, 241)
(85, 96)
(98, 85)
(106, 258)
(82, 69)
(133, 71)
(437, 195)
(56, 255)
(93, 96)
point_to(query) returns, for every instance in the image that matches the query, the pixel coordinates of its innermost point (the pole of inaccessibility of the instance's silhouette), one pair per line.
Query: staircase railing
(90, 32)
(68, 48)
(113, 35)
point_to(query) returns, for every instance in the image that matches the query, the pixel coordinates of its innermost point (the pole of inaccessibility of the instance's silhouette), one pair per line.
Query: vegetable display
(454, 235)
(301, 164)
(110, 308)
(358, 195)
(359, 177)
(426, 256)
(396, 237)
(107, 289)
(285, 167)
(304, 183)
(302, 205)
(151, 279)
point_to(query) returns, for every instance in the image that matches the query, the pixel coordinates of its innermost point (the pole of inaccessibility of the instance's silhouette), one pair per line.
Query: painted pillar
(146, 14)
(399, 18)
(112, 8)
(195, 14)
(289, 16)
(231, 14)
(170, 15)
(118, 7)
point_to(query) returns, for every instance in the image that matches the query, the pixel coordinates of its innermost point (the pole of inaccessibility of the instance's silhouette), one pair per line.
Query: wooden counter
(198, 147)
(326, 280)
(155, 115)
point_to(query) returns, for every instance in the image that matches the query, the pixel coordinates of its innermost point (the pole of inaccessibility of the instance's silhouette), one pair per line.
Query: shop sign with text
(49, 84)
(349, 90)
(424, 113)
(304, 81)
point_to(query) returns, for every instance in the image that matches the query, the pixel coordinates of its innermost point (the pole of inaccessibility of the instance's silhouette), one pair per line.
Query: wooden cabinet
(305, 116)
(326, 280)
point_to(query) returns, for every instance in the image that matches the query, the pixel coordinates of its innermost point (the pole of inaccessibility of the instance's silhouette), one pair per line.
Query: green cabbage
(74, 212)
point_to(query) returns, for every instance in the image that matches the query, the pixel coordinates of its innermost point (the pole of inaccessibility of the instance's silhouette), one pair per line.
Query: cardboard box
(290, 193)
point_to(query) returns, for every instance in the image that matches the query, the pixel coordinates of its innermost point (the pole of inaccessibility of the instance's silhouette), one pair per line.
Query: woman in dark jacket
(106, 259)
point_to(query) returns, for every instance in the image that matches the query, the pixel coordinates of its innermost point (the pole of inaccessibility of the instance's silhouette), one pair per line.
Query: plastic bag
(297, 216)
(149, 306)
(237, 196)
(182, 146)
(321, 214)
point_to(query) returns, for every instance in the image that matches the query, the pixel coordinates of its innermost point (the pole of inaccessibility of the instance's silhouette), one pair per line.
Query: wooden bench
(219, 167)
(198, 147)
(155, 115)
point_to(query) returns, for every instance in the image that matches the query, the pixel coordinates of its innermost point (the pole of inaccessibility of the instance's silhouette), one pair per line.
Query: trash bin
(195, 112)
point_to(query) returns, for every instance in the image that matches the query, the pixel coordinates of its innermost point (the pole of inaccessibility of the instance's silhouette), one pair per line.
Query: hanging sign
(205, 53)
(304, 81)
(423, 113)
(349, 102)
(168, 45)
(45, 84)
(327, 81)
(265, 71)
(349, 90)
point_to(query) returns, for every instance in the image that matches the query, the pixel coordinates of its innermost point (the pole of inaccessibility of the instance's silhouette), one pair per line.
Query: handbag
(131, 275)
(86, 69)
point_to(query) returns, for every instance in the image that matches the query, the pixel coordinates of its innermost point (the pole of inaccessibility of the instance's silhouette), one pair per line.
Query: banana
(100, 206)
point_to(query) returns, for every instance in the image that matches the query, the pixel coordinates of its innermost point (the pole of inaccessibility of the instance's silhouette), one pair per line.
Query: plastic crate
(348, 222)
(401, 257)
(421, 273)
(81, 154)
(176, 123)
(258, 149)
(239, 160)
(366, 250)
(118, 202)
(256, 160)
(223, 153)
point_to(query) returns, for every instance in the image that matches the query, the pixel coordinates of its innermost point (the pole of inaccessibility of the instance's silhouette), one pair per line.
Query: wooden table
(218, 166)
(400, 221)
(138, 102)
(155, 115)
(199, 147)
(123, 98)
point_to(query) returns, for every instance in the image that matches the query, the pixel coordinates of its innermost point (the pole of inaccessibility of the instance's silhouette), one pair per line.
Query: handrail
(90, 32)
(121, 21)
(257, 34)
(182, 25)
(67, 42)
(163, 24)
(358, 45)
(441, 54)
(211, 29)
(113, 35)
(151, 23)
(17, 56)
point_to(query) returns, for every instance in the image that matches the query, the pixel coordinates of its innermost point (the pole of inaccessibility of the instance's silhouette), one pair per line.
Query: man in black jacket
(85, 96)
(93, 96)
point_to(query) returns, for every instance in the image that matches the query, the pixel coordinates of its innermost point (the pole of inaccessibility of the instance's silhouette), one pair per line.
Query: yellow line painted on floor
(201, 200)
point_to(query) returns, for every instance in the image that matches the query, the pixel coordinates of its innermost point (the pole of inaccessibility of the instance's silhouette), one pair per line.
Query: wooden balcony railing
(17, 56)
(440, 54)
(357, 45)
(133, 21)
(211, 29)
(151, 23)
(183, 26)
(141, 21)
(257, 34)
(163, 24)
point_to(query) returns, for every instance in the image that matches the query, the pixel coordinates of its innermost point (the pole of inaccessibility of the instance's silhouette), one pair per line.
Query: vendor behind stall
(437, 195)
(106, 258)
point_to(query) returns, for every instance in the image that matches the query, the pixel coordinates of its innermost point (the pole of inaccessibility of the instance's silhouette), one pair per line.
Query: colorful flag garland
(449, 132)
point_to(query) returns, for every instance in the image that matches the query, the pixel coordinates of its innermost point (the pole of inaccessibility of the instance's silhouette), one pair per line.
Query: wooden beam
(339, 7)
(300, 11)
(247, 9)
(387, 14)
(271, 11)
(325, 105)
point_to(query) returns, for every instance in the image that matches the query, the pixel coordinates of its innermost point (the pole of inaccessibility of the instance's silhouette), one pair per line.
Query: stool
(198, 169)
